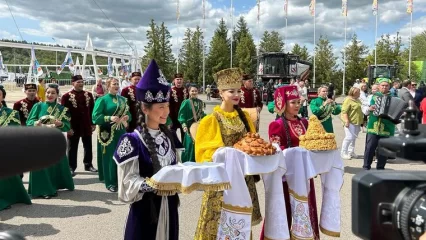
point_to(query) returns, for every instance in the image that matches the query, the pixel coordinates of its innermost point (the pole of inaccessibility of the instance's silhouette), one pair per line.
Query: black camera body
(391, 205)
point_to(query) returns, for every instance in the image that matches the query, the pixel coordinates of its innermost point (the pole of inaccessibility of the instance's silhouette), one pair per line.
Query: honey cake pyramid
(316, 138)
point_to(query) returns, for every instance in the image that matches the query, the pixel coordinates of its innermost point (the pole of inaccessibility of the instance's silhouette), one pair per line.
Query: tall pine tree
(219, 53)
(167, 62)
(245, 51)
(271, 42)
(152, 47)
(302, 52)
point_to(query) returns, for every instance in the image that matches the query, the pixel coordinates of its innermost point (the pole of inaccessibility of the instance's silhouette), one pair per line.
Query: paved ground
(91, 212)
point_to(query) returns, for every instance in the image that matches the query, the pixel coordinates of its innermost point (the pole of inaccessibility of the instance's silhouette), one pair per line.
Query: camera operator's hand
(423, 237)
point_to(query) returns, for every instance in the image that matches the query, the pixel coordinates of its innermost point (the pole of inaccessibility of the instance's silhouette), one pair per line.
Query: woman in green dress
(45, 183)
(191, 110)
(12, 189)
(111, 114)
(324, 108)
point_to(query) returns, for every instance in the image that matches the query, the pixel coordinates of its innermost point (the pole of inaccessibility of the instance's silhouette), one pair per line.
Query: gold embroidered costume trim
(237, 209)
(5, 119)
(167, 189)
(329, 233)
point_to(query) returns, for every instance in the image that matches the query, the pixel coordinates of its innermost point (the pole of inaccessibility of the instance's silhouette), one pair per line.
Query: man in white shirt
(125, 83)
(304, 96)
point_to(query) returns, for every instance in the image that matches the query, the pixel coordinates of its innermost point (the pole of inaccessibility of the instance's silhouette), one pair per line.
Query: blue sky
(71, 23)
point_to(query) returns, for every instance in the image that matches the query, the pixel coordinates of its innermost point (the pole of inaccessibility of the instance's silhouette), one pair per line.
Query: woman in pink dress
(285, 131)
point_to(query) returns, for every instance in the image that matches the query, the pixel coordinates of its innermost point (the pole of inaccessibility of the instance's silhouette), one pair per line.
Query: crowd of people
(137, 128)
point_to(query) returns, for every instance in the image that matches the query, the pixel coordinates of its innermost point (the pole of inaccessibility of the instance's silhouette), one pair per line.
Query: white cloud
(8, 35)
(70, 22)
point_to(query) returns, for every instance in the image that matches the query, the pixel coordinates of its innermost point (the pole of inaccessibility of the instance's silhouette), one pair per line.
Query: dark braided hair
(149, 140)
(287, 129)
(242, 117)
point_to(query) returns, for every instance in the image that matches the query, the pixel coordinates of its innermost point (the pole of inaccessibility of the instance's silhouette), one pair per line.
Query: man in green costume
(12, 189)
(377, 128)
(324, 108)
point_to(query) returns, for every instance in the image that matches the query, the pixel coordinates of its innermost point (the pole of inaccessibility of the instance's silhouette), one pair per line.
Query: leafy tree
(271, 42)
(302, 52)
(355, 53)
(418, 48)
(325, 63)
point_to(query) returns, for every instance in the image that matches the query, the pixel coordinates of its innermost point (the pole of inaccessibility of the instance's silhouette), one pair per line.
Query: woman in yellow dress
(224, 127)
(41, 90)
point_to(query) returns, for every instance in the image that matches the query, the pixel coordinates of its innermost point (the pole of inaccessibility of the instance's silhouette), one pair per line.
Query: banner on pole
(110, 68)
(375, 7)
(286, 7)
(1, 64)
(177, 11)
(312, 8)
(409, 6)
(70, 63)
(258, 10)
(37, 70)
(345, 8)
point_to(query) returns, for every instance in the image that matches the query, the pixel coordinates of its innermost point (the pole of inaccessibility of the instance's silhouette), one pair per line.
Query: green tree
(245, 50)
(159, 48)
(240, 31)
(418, 47)
(388, 51)
(152, 47)
(185, 52)
(355, 53)
(219, 57)
(191, 55)
(325, 63)
(302, 52)
(271, 42)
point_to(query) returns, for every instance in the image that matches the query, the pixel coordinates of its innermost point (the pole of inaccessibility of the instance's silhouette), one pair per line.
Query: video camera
(392, 204)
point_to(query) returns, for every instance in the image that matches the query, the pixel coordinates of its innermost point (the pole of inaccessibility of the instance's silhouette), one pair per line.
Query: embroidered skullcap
(247, 77)
(153, 86)
(136, 74)
(53, 85)
(283, 94)
(381, 80)
(76, 78)
(178, 75)
(228, 78)
(29, 86)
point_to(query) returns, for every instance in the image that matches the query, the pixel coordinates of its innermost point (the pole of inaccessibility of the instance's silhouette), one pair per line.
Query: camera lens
(411, 212)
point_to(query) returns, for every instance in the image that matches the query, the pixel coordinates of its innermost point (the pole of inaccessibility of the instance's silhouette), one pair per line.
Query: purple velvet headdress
(153, 86)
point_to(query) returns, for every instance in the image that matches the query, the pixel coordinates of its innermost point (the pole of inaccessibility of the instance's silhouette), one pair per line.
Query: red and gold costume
(80, 105)
(176, 98)
(130, 93)
(25, 105)
(250, 98)
(286, 134)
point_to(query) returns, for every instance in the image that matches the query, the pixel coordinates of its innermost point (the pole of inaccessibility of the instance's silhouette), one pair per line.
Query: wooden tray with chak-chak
(254, 145)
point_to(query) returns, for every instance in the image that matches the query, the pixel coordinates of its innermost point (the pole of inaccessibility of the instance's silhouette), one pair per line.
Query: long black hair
(149, 140)
(3, 102)
(287, 129)
(242, 117)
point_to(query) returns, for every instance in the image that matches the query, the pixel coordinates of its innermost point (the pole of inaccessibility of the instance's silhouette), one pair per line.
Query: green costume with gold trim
(324, 113)
(108, 134)
(47, 181)
(12, 189)
(379, 126)
(186, 118)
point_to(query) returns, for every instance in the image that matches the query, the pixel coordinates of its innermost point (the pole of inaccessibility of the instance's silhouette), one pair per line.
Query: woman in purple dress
(143, 153)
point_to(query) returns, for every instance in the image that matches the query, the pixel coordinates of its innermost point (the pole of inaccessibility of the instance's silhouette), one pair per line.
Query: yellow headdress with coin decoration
(228, 78)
